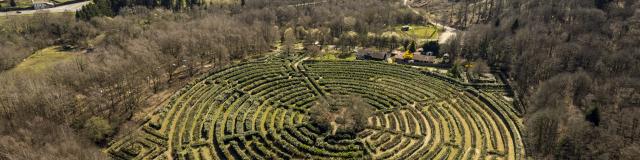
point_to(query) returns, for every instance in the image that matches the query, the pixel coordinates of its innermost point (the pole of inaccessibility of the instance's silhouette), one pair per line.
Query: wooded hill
(576, 64)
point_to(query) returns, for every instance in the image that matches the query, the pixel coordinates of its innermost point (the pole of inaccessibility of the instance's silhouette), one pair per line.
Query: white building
(42, 4)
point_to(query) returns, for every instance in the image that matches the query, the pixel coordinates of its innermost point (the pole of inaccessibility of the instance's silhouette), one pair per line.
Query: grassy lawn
(23, 3)
(43, 59)
(61, 1)
(332, 54)
(28, 3)
(19, 3)
(333, 57)
(219, 2)
(417, 32)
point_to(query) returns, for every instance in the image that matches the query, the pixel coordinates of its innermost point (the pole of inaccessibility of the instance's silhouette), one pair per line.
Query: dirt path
(65, 8)
(448, 33)
(295, 65)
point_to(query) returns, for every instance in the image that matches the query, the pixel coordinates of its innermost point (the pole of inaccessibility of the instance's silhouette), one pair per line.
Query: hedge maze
(259, 110)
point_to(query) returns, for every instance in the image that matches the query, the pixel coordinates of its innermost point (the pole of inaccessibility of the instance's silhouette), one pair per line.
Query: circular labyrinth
(259, 110)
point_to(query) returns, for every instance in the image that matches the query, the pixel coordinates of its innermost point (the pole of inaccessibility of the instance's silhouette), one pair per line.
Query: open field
(335, 57)
(330, 55)
(223, 1)
(417, 32)
(259, 110)
(19, 3)
(42, 60)
(61, 1)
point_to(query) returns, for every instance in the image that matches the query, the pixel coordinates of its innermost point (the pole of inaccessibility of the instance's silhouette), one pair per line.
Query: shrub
(98, 129)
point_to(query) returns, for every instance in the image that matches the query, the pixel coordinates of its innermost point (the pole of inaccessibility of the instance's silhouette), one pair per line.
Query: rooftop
(416, 56)
(40, 1)
(424, 58)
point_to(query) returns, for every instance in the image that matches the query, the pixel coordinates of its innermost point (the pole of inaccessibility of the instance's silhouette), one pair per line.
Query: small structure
(372, 54)
(417, 59)
(397, 55)
(37, 4)
(446, 58)
(482, 78)
(429, 53)
(314, 48)
(405, 28)
(420, 58)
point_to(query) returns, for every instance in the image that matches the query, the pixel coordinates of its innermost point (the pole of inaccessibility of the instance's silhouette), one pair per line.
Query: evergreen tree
(103, 7)
(432, 46)
(182, 4)
(116, 5)
(412, 47)
(97, 8)
(515, 25)
(289, 41)
(166, 3)
(601, 4)
(86, 12)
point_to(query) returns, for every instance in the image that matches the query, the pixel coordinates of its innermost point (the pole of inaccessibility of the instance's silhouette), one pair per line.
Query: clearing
(419, 33)
(44, 59)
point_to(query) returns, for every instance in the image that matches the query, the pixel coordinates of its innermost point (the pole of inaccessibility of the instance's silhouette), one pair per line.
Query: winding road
(65, 8)
(449, 32)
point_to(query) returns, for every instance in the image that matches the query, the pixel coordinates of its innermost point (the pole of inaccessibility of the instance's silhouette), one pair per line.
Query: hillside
(323, 79)
(574, 63)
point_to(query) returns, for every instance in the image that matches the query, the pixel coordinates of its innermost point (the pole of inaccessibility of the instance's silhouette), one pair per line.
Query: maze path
(258, 110)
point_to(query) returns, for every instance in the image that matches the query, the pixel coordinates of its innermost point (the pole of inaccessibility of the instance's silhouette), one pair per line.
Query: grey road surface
(65, 8)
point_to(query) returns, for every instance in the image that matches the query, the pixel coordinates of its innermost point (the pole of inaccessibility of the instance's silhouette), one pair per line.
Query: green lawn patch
(333, 56)
(23, 3)
(416, 32)
(43, 59)
(19, 4)
(61, 1)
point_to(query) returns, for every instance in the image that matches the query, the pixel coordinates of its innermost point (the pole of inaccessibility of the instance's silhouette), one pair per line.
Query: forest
(573, 63)
(74, 108)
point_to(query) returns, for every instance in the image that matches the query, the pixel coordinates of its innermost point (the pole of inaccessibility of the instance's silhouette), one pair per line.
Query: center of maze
(259, 110)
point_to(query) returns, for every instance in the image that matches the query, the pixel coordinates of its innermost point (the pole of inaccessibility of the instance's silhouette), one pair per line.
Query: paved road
(307, 4)
(448, 33)
(66, 8)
